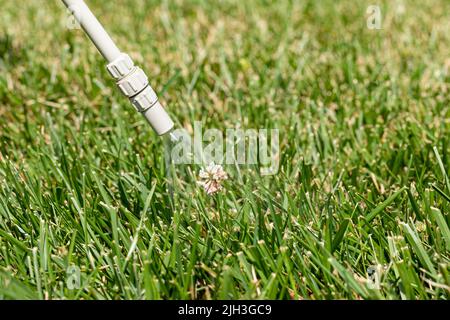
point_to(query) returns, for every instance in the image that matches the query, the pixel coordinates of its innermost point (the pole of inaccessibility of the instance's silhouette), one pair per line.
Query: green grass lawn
(363, 189)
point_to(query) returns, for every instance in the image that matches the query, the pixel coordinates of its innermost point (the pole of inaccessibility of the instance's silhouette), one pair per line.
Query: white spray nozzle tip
(159, 119)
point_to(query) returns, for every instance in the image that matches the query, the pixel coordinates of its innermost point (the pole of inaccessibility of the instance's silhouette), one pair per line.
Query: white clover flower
(211, 178)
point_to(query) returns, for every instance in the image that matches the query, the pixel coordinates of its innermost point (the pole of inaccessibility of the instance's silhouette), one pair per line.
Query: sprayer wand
(131, 80)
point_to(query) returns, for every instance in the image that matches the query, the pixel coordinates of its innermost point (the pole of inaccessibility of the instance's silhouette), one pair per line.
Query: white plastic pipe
(94, 29)
(131, 80)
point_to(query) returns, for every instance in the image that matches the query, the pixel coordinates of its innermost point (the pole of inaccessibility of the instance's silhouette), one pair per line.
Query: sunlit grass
(363, 186)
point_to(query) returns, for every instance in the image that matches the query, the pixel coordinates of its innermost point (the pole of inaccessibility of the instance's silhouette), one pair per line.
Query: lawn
(360, 205)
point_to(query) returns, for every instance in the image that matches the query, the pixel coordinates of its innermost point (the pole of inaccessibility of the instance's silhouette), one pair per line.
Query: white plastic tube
(94, 29)
(131, 80)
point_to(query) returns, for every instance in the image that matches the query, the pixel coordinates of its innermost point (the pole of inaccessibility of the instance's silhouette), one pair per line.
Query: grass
(363, 187)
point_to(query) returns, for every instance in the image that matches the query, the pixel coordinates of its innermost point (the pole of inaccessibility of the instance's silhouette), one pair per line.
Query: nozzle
(159, 119)
(133, 83)
(131, 80)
